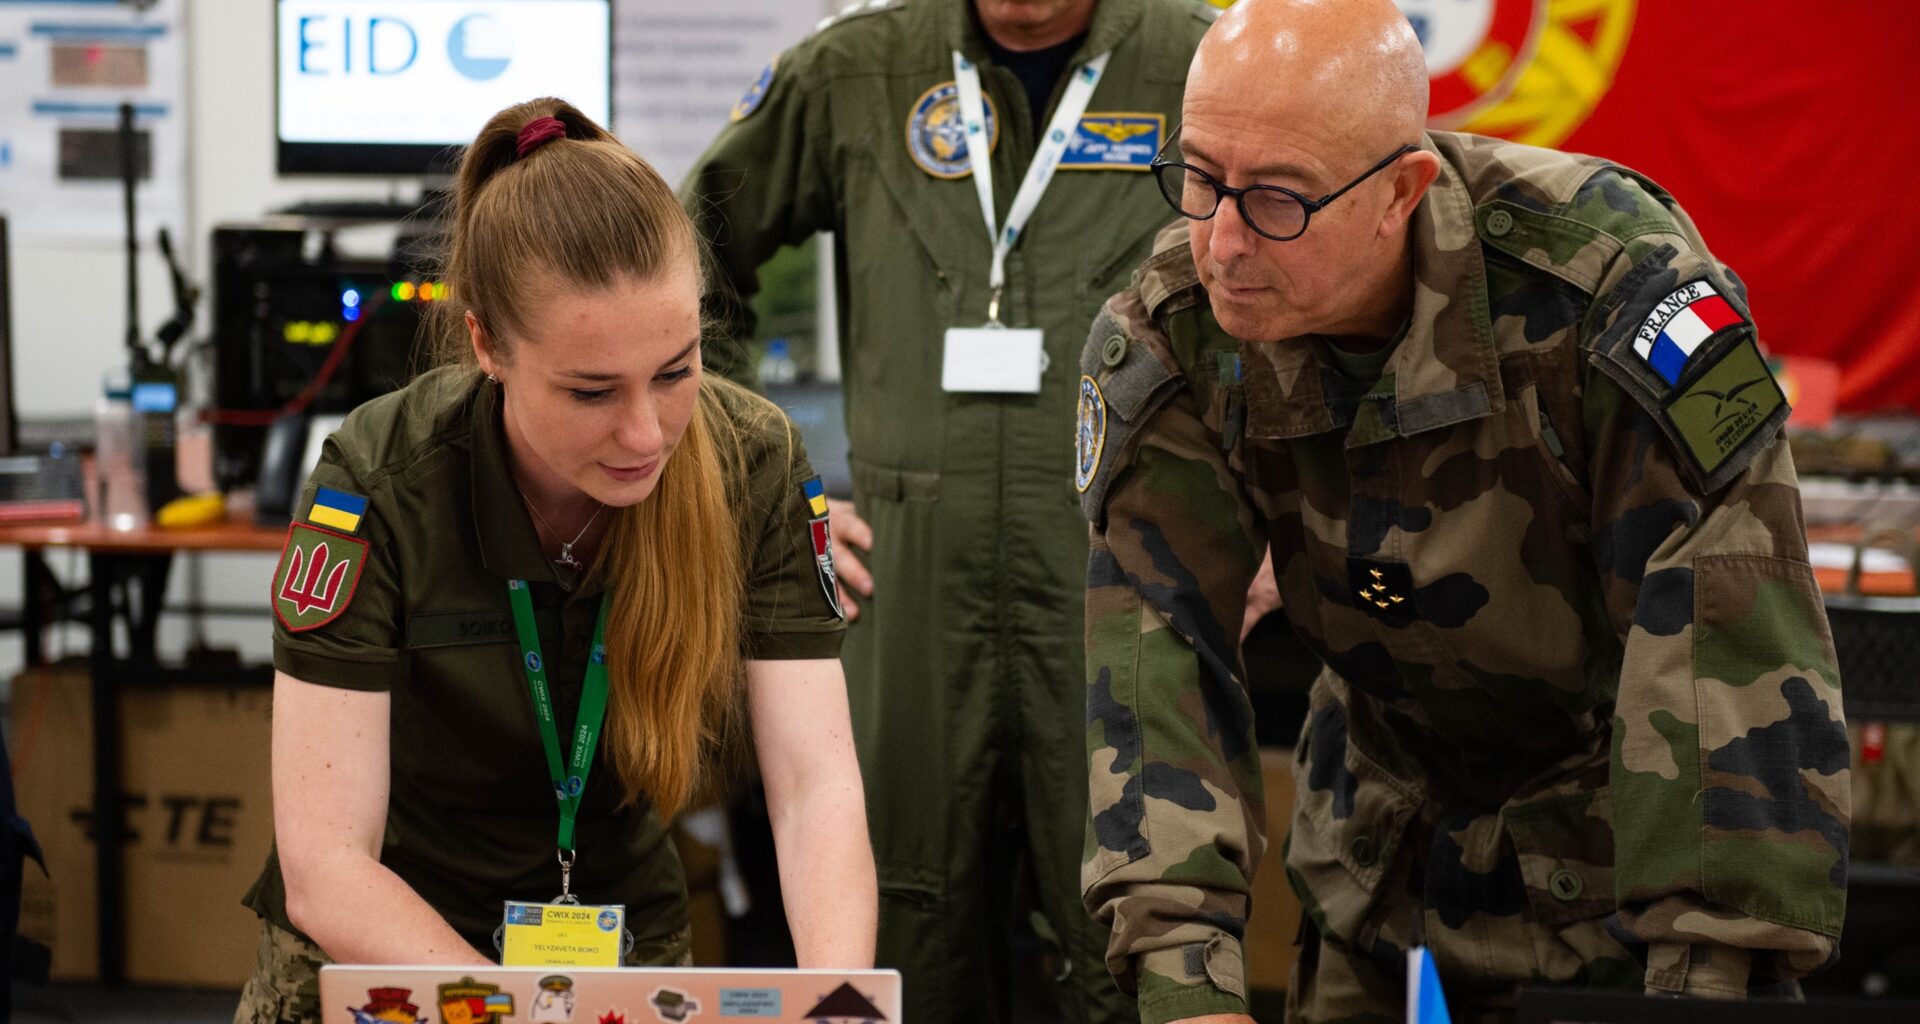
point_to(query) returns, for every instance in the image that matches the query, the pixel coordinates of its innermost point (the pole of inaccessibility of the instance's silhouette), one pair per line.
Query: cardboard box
(199, 822)
(1270, 946)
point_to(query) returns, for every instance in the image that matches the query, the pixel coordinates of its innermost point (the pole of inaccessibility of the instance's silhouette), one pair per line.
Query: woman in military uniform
(564, 530)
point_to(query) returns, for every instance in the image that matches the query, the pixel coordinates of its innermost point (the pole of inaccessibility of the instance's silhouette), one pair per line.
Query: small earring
(491, 379)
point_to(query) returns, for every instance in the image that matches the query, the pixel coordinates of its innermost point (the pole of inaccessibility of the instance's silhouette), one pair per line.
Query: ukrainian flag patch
(337, 509)
(816, 493)
(1114, 142)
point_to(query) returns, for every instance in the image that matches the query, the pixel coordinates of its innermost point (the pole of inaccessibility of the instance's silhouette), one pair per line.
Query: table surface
(241, 533)
(1894, 582)
(238, 533)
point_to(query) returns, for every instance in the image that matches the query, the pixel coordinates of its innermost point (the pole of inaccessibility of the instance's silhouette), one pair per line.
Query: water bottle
(777, 366)
(118, 459)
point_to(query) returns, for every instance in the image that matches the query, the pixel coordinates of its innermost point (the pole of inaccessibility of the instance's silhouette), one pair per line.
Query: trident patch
(319, 571)
(816, 495)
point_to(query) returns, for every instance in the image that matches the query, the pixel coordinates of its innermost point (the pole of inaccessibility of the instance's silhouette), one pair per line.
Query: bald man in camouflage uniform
(1580, 721)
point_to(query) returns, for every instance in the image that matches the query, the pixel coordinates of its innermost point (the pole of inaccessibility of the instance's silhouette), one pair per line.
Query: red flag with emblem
(1781, 127)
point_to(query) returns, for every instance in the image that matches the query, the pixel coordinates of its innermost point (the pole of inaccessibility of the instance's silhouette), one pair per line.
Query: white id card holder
(998, 360)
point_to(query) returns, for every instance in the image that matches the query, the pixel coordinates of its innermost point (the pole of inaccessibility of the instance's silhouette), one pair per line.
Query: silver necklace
(566, 548)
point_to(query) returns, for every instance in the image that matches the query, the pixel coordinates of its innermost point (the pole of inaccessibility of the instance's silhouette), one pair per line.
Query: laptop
(42, 488)
(605, 995)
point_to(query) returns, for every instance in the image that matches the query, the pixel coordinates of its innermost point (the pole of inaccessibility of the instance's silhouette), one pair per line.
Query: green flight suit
(964, 667)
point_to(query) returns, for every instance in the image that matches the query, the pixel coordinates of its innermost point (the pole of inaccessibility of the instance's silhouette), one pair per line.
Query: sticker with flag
(816, 496)
(337, 509)
(1426, 1004)
(1681, 323)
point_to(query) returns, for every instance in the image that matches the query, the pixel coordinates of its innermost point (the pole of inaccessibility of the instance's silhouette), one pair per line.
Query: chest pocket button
(1565, 886)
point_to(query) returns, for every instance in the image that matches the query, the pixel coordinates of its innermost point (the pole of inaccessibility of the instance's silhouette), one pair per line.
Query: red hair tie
(539, 132)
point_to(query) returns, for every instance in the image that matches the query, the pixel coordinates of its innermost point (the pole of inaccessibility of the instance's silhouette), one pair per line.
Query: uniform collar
(1445, 370)
(509, 545)
(1113, 21)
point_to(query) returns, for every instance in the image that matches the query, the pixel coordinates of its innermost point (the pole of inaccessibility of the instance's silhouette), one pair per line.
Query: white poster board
(65, 68)
(680, 67)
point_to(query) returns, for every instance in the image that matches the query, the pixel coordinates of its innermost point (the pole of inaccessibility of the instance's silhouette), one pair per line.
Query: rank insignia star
(1383, 589)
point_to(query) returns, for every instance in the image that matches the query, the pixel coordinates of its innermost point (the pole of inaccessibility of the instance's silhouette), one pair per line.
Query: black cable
(129, 181)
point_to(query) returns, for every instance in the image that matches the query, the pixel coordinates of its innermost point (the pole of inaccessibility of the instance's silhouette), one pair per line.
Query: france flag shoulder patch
(1679, 324)
(1681, 346)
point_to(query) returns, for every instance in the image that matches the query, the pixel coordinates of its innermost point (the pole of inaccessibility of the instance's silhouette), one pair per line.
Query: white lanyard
(1046, 159)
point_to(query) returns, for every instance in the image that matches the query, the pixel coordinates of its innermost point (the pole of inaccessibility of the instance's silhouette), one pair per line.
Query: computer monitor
(394, 87)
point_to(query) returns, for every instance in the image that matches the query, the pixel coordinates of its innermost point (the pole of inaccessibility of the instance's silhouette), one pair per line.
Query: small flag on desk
(1426, 1004)
(337, 509)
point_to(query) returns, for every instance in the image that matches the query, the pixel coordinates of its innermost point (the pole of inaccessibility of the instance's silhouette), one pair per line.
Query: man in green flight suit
(963, 665)
(1500, 420)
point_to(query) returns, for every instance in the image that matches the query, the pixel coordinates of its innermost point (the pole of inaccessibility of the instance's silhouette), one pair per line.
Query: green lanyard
(570, 783)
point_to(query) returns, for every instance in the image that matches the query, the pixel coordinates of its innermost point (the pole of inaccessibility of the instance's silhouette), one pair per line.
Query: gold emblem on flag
(1540, 92)
(1526, 70)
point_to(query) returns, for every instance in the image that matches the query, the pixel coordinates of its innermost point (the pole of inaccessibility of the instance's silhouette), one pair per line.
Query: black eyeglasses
(1274, 212)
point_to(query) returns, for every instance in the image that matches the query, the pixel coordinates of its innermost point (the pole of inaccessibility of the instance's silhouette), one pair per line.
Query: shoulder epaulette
(1168, 272)
(1126, 373)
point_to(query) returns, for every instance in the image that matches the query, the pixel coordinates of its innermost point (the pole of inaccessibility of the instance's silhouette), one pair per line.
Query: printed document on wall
(682, 70)
(65, 69)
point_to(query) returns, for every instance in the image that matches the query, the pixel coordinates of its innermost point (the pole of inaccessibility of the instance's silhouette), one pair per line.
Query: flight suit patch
(756, 93)
(937, 133)
(1114, 142)
(319, 572)
(1382, 589)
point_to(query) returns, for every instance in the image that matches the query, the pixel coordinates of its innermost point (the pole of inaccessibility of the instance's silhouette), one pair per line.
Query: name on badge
(993, 360)
(1115, 142)
(562, 935)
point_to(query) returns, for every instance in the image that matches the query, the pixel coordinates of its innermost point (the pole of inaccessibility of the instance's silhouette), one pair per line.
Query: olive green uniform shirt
(471, 815)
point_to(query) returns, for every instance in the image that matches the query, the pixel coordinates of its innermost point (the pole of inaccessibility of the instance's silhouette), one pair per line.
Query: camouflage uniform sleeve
(765, 182)
(1176, 809)
(1730, 754)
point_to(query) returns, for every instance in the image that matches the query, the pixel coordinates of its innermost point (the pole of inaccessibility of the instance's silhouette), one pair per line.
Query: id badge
(1001, 360)
(562, 935)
